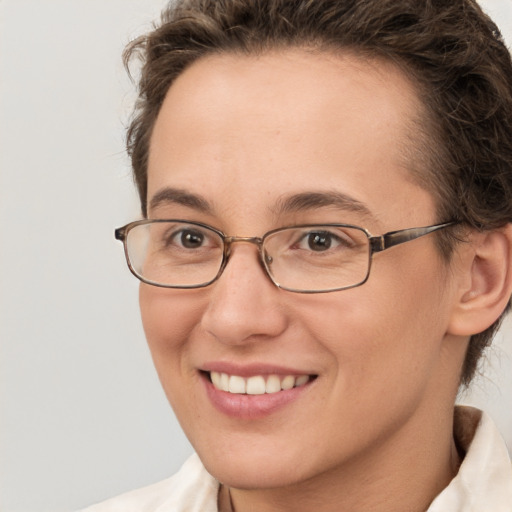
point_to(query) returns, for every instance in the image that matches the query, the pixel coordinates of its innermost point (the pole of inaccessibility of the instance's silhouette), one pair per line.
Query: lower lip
(252, 406)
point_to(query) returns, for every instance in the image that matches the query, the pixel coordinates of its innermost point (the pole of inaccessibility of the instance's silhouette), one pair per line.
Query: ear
(484, 281)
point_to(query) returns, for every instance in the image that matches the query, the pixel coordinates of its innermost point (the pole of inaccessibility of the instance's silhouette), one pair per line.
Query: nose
(244, 304)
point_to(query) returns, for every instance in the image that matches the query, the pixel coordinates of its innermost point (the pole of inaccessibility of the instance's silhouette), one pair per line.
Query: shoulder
(192, 489)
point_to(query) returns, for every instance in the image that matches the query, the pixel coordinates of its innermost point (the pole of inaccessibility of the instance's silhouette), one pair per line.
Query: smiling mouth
(257, 384)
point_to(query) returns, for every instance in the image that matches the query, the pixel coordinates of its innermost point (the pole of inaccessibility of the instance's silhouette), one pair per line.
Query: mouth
(254, 391)
(256, 384)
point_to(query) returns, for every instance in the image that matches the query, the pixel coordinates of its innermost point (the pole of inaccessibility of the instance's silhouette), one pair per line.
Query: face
(239, 136)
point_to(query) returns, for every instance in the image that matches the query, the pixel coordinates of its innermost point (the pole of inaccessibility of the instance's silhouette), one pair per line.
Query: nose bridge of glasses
(230, 240)
(256, 240)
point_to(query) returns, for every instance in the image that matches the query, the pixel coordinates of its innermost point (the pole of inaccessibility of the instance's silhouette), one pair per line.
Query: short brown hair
(450, 48)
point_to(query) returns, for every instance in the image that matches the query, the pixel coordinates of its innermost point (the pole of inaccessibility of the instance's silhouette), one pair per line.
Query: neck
(403, 474)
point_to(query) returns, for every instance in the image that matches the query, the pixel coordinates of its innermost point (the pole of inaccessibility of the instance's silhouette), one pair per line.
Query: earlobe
(485, 281)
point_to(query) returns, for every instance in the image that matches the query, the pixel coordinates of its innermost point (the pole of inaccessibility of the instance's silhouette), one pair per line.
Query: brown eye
(319, 241)
(191, 239)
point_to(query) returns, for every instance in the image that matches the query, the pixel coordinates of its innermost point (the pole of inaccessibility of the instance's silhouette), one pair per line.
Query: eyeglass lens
(303, 258)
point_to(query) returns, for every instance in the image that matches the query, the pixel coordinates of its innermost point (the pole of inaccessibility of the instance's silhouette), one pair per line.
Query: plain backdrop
(82, 413)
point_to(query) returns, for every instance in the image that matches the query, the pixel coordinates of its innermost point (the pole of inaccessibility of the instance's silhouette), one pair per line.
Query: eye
(322, 241)
(183, 237)
(190, 239)
(319, 241)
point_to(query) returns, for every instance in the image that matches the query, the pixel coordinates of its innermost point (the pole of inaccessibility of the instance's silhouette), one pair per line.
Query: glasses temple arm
(383, 242)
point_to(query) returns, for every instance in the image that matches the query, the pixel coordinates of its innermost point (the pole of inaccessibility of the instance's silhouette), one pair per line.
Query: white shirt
(483, 483)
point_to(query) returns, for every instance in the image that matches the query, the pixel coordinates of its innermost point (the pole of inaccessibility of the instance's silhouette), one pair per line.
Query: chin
(247, 476)
(256, 467)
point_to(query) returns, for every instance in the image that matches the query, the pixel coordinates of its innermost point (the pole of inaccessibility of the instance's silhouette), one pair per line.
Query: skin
(373, 431)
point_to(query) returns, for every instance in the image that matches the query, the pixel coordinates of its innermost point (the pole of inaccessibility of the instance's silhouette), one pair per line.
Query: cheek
(387, 333)
(168, 317)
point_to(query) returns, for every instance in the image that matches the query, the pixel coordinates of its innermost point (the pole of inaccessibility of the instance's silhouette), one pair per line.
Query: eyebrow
(169, 195)
(310, 200)
(295, 203)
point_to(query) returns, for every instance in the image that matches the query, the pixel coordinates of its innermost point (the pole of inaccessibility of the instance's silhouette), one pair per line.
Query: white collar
(484, 480)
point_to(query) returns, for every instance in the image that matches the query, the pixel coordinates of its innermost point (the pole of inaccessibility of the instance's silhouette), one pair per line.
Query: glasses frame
(377, 243)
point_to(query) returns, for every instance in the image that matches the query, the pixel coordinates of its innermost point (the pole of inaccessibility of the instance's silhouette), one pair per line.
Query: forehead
(290, 121)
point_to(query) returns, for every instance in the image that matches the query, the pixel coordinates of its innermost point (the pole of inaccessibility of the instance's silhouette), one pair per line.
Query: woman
(279, 148)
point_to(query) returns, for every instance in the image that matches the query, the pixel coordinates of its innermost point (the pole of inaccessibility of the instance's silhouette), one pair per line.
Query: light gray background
(82, 414)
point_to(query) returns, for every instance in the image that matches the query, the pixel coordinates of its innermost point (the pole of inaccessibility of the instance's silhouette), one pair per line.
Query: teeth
(236, 384)
(216, 378)
(288, 382)
(224, 382)
(257, 385)
(303, 379)
(273, 384)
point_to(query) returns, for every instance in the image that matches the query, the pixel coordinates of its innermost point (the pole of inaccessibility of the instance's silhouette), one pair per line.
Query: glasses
(312, 258)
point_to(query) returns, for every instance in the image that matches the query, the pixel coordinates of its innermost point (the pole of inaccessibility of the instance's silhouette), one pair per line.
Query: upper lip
(252, 369)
